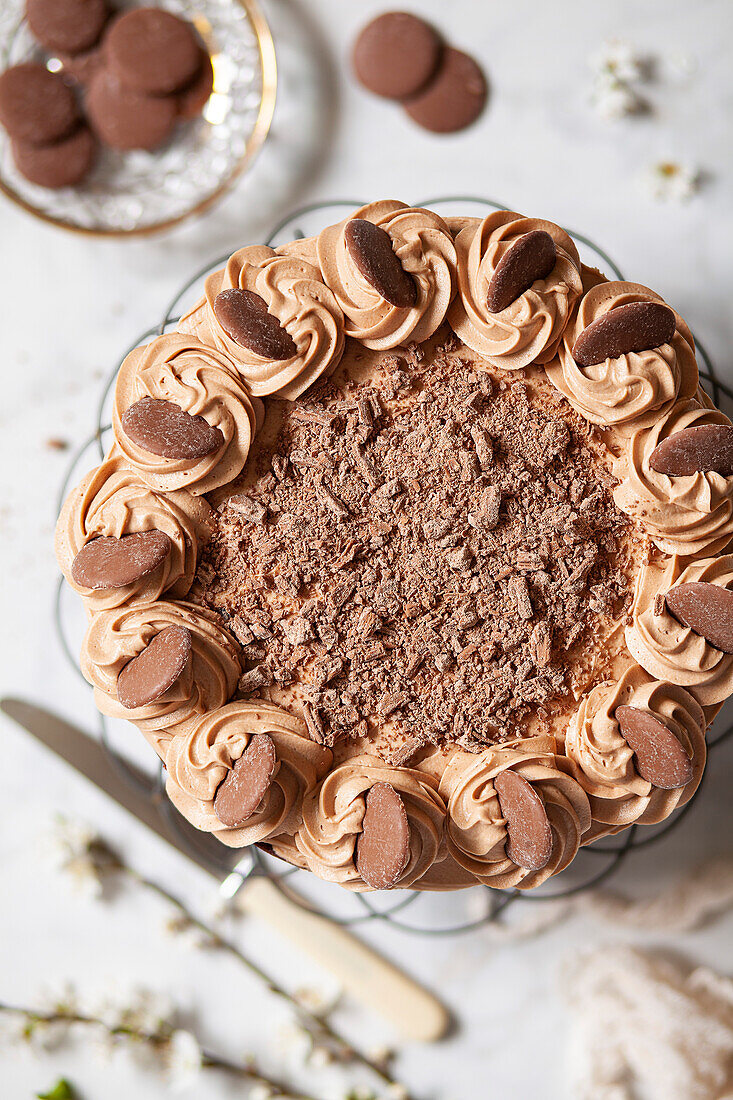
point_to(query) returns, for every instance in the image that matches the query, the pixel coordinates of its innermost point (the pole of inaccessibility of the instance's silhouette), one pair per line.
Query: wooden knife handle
(362, 972)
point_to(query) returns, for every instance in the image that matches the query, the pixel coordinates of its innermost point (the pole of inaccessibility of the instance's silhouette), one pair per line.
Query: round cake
(409, 554)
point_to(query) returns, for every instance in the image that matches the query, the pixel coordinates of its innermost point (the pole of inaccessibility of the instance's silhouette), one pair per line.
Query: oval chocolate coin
(529, 836)
(152, 51)
(154, 671)
(454, 98)
(660, 758)
(370, 247)
(36, 106)
(244, 317)
(164, 429)
(705, 608)
(396, 55)
(636, 326)
(703, 448)
(108, 562)
(67, 26)
(383, 848)
(531, 257)
(239, 795)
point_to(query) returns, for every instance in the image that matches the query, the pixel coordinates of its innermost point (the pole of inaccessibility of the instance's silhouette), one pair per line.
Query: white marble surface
(71, 305)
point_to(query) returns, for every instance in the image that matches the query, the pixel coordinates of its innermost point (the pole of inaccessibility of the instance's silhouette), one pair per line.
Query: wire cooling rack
(418, 912)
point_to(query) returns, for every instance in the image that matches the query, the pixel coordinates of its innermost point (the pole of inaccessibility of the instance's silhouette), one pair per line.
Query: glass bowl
(141, 192)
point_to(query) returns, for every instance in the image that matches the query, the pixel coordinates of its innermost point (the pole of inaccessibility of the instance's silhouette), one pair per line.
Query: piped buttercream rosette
(334, 817)
(530, 326)
(668, 649)
(296, 298)
(634, 387)
(686, 514)
(242, 771)
(111, 503)
(195, 666)
(188, 402)
(480, 833)
(422, 243)
(662, 770)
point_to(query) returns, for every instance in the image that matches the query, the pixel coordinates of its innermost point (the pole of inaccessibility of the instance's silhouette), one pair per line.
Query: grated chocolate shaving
(434, 552)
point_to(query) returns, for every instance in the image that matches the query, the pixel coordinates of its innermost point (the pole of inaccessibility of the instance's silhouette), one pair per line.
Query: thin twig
(248, 1071)
(315, 1023)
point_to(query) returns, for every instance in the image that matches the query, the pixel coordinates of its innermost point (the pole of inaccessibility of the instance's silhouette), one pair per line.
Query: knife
(366, 975)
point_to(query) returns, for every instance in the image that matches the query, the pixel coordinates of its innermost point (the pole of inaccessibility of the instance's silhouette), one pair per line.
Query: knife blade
(364, 973)
(134, 791)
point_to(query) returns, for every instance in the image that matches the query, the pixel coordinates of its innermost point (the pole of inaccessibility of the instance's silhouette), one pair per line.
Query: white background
(69, 308)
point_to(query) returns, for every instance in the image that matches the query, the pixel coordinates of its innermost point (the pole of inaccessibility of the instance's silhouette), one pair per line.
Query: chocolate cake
(408, 557)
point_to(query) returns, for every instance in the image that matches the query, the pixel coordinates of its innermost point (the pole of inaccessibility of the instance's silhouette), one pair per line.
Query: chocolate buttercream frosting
(408, 557)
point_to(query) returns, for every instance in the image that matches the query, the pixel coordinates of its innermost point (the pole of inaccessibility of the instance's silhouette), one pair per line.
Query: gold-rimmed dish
(139, 193)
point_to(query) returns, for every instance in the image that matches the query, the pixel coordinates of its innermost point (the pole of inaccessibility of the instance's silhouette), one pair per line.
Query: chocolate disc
(154, 671)
(383, 848)
(63, 164)
(660, 758)
(396, 55)
(244, 317)
(36, 106)
(66, 26)
(704, 448)
(370, 247)
(239, 795)
(108, 562)
(637, 326)
(124, 119)
(531, 257)
(164, 429)
(81, 67)
(705, 608)
(529, 836)
(194, 97)
(152, 51)
(454, 98)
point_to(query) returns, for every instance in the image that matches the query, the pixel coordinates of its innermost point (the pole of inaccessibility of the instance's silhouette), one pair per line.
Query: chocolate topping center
(704, 448)
(660, 758)
(149, 675)
(529, 836)
(247, 783)
(383, 848)
(705, 608)
(370, 247)
(636, 326)
(245, 318)
(108, 562)
(531, 257)
(164, 429)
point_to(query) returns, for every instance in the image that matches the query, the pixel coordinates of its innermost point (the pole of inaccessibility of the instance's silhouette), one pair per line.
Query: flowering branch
(92, 860)
(177, 1047)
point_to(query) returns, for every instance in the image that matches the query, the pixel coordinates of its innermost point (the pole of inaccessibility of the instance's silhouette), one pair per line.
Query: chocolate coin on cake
(409, 554)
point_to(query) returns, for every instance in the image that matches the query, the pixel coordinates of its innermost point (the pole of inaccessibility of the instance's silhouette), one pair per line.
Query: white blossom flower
(397, 1092)
(296, 1042)
(669, 181)
(617, 59)
(69, 848)
(261, 1092)
(614, 99)
(320, 1057)
(318, 1001)
(184, 1059)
